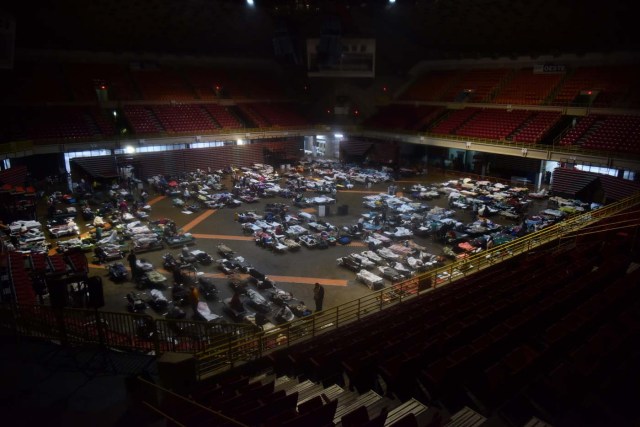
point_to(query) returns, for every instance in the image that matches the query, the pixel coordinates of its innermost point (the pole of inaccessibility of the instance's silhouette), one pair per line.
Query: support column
(540, 174)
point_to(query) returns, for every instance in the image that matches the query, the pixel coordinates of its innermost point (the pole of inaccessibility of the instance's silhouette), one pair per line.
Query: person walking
(318, 296)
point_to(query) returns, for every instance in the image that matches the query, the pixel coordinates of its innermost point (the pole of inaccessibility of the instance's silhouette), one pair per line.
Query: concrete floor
(293, 271)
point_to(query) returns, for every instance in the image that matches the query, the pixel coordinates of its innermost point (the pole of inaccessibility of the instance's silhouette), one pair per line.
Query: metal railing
(219, 347)
(246, 348)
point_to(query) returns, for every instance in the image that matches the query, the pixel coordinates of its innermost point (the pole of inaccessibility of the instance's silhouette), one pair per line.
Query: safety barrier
(221, 346)
(214, 359)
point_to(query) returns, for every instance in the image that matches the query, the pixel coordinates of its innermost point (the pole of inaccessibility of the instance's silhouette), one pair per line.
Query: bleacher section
(269, 401)
(184, 118)
(85, 78)
(58, 122)
(97, 166)
(616, 133)
(609, 86)
(33, 82)
(493, 341)
(536, 127)
(430, 86)
(527, 88)
(277, 114)
(614, 86)
(475, 85)
(207, 83)
(223, 116)
(454, 121)
(406, 117)
(255, 119)
(22, 285)
(142, 120)
(162, 85)
(494, 124)
(252, 85)
(569, 182)
(523, 125)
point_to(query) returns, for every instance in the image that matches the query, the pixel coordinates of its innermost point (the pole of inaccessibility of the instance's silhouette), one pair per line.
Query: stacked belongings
(180, 239)
(108, 249)
(117, 272)
(66, 228)
(207, 288)
(258, 302)
(204, 312)
(151, 279)
(84, 245)
(158, 301)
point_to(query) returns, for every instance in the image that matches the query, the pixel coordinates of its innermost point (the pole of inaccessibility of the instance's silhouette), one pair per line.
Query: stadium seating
(162, 85)
(254, 116)
(206, 82)
(494, 124)
(142, 119)
(453, 121)
(536, 127)
(615, 133)
(57, 122)
(476, 85)
(527, 88)
(22, 285)
(223, 116)
(400, 116)
(430, 86)
(184, 118)
(614, 86)
(278, 114)
(33, 82)
(85, 78)
(486, 340)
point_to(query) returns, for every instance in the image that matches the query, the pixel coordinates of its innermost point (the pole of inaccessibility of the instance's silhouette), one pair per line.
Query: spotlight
(250, 2)
(392, 1)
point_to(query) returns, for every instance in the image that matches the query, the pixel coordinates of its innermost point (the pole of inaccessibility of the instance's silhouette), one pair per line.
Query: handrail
(215, 359)
(220, 346)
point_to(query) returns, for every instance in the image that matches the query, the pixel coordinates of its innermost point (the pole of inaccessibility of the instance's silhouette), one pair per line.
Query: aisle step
(411, 406)
(367, 399)
(466, 417)
(331, 393)
(300, 387)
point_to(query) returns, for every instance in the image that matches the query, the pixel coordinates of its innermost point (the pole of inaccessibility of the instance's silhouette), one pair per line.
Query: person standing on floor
(194, 295)
(318, 296)
(132, 264)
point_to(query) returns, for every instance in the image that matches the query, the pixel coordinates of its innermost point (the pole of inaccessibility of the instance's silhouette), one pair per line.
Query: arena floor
(295, 272)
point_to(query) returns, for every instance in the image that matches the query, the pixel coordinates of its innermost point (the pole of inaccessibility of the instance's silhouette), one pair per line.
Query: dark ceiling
(415, 29)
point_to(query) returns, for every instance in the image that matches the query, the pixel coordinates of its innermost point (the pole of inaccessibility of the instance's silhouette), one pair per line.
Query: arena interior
(320, 213)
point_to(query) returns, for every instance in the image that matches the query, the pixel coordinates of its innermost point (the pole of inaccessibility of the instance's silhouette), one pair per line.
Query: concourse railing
(221, 346)
(253, 346)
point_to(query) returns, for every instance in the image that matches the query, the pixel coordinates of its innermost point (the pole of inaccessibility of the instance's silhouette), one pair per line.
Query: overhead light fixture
(250, 2)
(129, 149)
(392, 1)
(338, 135)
